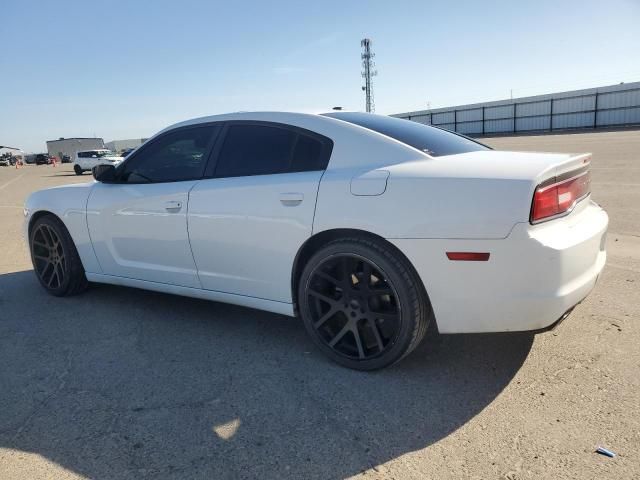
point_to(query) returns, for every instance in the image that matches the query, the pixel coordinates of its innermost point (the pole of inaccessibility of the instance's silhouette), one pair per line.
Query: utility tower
(368, 65)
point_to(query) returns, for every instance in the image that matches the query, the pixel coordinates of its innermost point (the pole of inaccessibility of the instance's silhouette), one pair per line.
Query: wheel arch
(77, 229)
(316, 241)
(39, 214)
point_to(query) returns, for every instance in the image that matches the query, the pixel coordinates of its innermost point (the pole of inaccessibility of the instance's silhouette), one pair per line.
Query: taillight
(559, 197)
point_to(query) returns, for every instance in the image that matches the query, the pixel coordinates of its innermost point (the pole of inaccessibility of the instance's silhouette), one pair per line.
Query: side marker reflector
(468, 256)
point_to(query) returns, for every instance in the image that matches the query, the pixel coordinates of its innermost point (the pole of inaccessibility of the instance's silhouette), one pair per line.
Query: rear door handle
(291, 199)
(173, 206)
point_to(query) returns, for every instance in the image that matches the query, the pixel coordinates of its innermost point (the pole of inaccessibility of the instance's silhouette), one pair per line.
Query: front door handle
(291, 199)
(173, 206)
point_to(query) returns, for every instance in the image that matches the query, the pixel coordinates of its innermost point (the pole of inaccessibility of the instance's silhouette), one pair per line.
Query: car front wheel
(55, 258)
(77, 169)
(363, 304)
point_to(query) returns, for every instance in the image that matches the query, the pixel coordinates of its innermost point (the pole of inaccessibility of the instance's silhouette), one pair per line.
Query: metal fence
(614, 106)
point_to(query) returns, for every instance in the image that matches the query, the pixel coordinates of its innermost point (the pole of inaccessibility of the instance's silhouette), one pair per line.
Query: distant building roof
(75, 138)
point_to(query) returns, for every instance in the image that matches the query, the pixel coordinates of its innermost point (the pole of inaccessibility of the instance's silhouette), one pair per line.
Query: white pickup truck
(88, 159)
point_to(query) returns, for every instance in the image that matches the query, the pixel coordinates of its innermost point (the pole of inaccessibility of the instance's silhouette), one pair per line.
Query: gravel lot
(119, 383)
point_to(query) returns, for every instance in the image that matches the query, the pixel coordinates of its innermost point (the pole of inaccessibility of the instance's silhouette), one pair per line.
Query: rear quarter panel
(477, 195)
(424, 206)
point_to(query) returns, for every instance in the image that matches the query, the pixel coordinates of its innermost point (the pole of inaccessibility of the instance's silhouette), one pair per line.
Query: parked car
(43, 159)
(126, 152)
(86, 160)
(65, 159)
(367, 227)
(5, 161)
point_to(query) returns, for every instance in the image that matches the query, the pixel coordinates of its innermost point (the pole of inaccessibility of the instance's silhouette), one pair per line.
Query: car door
(90, 160)
(138, 224)
(87, 160)
(248, 220)
(82, 160)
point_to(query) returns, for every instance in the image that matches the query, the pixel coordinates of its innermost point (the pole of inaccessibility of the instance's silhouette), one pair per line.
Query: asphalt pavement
(120, 383)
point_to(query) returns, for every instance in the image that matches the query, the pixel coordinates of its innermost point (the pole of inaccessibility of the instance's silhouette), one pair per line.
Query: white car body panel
(227, 216)
(236, 239)
(532, 277)
(472, 195)
(139, 231)
(69, 204)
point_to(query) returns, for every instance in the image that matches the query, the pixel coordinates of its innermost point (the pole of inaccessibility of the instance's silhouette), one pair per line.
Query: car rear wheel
(55, 258)
(363, 304)
(77, 169)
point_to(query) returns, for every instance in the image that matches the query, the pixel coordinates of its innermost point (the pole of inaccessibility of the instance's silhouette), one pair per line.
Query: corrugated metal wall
(69, 146)
(616, 105)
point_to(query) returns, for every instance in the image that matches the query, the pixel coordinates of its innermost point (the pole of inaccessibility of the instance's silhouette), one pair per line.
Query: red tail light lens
(559, 197)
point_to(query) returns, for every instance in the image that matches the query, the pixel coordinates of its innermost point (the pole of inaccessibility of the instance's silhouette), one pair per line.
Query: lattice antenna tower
(368, 72)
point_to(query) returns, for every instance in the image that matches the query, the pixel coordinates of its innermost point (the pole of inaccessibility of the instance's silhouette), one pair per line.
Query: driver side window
(175, 156)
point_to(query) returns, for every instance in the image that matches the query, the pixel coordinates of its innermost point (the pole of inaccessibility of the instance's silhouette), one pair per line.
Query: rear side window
(433, 141)
(253, 149)
(308, 155)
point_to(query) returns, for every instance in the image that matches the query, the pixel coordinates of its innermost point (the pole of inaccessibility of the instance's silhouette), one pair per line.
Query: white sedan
(367, 227)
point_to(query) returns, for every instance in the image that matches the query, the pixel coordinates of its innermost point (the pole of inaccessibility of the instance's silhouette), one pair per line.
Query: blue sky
(125, 69)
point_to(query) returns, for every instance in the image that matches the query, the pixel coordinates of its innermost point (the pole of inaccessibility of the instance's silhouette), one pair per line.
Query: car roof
(272, 116)
(349, 139)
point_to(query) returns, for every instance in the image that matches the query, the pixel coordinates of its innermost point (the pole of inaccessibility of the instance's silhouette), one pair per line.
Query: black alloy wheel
(362, 306)
(353, 306)
(55, 258)
(48, 256)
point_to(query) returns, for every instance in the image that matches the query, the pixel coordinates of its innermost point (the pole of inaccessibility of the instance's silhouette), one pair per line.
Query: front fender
(69, 204)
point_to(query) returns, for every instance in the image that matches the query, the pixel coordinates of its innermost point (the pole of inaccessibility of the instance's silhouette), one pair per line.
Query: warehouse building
(611, 106)
(69, 146)
(119, 145)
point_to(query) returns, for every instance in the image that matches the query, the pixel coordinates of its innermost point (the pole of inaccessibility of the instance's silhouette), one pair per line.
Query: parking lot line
(11, 181)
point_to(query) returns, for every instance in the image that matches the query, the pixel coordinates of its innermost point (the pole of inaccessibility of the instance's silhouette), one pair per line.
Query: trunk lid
(534, 166)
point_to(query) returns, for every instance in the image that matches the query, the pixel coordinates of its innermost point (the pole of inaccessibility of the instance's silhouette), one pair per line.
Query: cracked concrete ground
(121, 384)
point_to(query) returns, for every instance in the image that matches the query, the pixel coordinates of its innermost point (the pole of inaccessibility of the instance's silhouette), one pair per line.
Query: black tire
(381, 285)
(54, 255)
(77, 169)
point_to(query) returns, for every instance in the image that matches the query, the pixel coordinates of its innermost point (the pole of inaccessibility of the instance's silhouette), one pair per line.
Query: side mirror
(104, 173)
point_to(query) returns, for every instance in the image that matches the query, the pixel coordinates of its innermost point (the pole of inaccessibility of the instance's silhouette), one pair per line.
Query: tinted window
(255, 150)
(95, 154)
(308, 155)
(176, 156)
(431, 140)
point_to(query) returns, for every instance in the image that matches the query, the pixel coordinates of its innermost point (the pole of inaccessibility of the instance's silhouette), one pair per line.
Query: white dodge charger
(368, 227)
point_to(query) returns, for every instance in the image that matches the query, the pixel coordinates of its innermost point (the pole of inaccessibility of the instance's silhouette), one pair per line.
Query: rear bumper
(531, 279)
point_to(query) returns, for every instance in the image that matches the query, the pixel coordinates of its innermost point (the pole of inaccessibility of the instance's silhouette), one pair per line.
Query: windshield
(96, 154)
(104, 153)
(430, 140)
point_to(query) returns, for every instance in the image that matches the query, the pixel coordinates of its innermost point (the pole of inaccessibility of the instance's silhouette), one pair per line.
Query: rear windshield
(433, 141)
